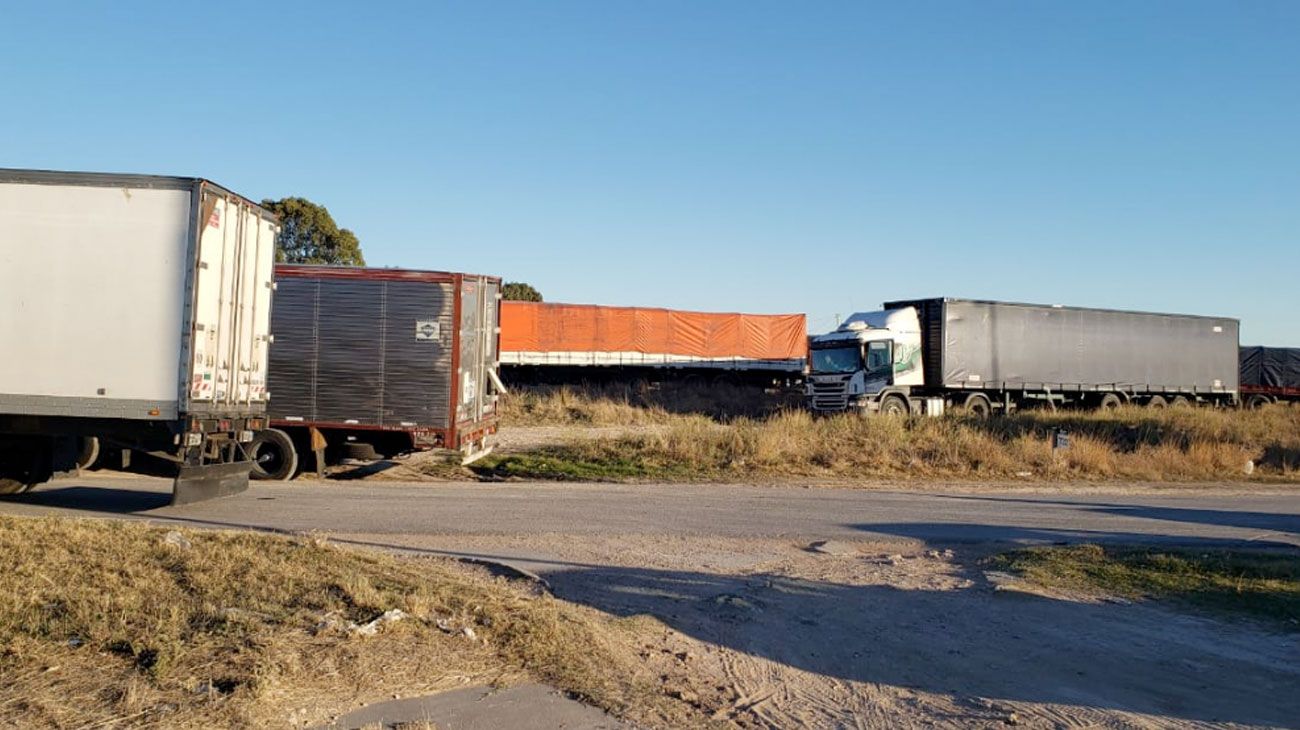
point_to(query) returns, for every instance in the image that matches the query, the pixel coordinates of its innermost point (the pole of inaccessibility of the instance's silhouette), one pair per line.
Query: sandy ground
(772, 634)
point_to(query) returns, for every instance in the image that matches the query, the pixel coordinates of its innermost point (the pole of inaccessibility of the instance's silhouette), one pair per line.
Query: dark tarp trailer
(1270, 367)
(987, 345)
(410, 354)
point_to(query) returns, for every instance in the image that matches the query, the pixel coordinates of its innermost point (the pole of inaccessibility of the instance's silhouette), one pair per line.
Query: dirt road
(882, 627)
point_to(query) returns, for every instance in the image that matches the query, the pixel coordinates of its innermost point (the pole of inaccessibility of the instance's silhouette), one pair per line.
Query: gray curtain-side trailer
(134, 309)
(988, 355)
(392, 360)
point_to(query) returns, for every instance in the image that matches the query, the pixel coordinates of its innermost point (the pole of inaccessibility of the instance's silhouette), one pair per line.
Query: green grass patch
(1262, 585)
(560, 465)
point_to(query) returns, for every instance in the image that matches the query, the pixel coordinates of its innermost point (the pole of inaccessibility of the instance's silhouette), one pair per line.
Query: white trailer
(133, 309)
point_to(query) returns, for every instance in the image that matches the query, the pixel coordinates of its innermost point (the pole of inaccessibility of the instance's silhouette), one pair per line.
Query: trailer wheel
(13, 483)
(894, 405)
(1157, 401)
(274, 457)
(357, 451)
(978, 405)
(1109, 402)
(1180, 401)
(1258, 401)
(25, 464)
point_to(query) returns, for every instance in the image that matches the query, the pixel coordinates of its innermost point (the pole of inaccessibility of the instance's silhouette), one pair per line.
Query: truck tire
(1109, 402)
(357, 451)
(978, 405)
(12, 482)
(894, 405)
(1157, 401)
(1257, 401)
(24, 463)
(1180, 401)
(274, 456)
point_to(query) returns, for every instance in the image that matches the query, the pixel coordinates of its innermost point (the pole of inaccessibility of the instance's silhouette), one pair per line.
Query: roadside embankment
(105, 623)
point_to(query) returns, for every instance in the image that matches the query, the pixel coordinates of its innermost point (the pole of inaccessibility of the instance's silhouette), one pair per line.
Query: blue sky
(751, 156)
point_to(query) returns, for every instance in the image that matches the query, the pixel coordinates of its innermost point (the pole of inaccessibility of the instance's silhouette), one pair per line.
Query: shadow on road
(958, 534)
(968, 641)
(94, 499)
(1266, 521)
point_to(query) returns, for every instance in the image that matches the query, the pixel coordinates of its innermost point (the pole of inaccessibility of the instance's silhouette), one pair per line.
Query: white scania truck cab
(871, 362)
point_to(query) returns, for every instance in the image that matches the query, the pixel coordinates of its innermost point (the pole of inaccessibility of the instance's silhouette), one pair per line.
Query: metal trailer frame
(454, 434)
(147, 426)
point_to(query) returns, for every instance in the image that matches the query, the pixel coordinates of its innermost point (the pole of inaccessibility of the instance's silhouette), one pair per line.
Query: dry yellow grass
(108, 624)
(1130, 443)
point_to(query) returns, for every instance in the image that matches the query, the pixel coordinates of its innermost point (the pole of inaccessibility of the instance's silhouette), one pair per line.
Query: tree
(517, 291)
(309, 235)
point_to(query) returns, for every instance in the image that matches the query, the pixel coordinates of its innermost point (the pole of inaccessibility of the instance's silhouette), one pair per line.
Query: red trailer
(378, 362)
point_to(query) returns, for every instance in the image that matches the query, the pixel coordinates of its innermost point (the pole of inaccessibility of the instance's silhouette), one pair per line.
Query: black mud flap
(198, 483)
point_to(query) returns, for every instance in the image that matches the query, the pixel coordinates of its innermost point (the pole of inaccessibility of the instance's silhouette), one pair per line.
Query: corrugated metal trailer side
(396, 359)
(983, 345)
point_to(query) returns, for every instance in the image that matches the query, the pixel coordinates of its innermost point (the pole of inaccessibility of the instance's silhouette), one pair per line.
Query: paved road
(714, 510)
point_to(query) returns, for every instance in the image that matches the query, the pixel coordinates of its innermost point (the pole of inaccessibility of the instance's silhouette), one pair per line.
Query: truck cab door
(879, 362)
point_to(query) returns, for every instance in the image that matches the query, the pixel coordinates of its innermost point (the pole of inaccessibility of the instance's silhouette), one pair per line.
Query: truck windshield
(837, 359)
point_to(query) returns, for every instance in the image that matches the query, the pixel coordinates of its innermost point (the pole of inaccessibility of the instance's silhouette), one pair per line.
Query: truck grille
(830, 395)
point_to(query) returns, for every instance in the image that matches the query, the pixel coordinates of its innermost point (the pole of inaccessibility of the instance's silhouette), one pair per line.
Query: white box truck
(134, 309)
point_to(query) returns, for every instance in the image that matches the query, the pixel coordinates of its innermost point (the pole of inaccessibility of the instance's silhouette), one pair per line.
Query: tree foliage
(309, 235)
(518, 291)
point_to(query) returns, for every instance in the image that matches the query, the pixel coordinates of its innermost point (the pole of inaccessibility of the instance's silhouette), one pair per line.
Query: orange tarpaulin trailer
(581, 334)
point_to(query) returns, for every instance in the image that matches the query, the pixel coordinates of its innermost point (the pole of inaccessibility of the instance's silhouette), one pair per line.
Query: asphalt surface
(1197, 515)
(523, 707)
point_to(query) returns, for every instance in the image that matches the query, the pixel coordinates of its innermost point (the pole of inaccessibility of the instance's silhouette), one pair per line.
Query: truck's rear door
(478, 347)
(232, 304)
